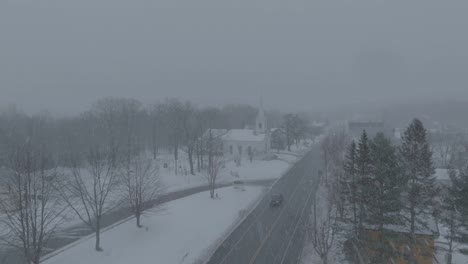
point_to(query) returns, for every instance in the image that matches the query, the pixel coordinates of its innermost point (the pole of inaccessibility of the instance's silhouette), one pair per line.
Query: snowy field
(248, 171)
(184, 232)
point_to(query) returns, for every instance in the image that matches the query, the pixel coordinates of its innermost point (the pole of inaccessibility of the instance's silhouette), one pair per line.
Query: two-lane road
(275, 235)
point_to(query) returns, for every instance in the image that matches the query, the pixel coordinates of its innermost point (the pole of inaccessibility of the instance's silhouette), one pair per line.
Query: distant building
(237, 143)
(355, 128)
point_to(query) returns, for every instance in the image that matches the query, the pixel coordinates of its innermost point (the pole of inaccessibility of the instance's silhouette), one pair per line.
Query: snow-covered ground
(309, 256)
(247, 171)
(218, 215)
(184, 232)
(335, 255)
(324, 222)
(441, 246)
(231, 172)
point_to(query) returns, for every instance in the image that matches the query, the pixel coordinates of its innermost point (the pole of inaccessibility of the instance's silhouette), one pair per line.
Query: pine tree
(387, 183)
(364, 169)
(418, 171)
(350, 183)
(386, 187)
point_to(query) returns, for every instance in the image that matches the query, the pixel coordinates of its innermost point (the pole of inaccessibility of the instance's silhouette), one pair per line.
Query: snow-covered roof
(243, 135)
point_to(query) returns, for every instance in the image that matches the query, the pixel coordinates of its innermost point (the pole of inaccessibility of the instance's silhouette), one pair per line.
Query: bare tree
(30, 207)
(212, 144)
(289, 125)
(130, 117)
(141, 186)
(250, 153)
(442, 146)
(173, 109)
(212, 173)
(333, 149)
(188, 120)
(444, 151)
(294, 127)
(326, 149)
(87, 191)
(323, 226)
(199, 144)
(106, 113)
(157, 128)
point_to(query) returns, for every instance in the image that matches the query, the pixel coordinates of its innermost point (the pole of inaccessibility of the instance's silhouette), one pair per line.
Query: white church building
(241, 142)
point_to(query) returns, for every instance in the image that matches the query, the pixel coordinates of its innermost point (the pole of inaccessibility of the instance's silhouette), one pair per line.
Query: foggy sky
(62, 55)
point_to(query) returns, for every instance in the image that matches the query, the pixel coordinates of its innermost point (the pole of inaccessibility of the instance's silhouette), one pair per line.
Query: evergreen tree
(386, 187)
(418, 171)
(387, 183)
(350, 183)
(364, 169)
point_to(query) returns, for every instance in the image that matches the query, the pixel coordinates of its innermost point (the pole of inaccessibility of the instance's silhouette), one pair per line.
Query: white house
(237, 143)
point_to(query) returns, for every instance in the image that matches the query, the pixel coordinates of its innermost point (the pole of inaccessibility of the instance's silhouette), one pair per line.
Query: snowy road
(70, 235)
(275, 235)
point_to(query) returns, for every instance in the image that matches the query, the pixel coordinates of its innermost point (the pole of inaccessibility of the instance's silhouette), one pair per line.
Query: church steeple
(261, 122)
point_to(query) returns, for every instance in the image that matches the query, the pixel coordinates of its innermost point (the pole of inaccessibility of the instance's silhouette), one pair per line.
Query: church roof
(244, 135)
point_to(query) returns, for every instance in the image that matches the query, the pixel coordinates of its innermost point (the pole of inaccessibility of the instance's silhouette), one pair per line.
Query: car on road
(276, 200)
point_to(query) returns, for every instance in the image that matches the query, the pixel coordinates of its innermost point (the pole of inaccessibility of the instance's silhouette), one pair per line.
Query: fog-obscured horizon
(299, 54)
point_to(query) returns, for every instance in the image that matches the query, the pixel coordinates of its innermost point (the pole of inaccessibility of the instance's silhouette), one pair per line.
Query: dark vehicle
(276, 200)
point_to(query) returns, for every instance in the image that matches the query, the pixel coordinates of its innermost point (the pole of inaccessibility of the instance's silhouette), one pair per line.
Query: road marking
(275, 222)
(297, 224)
(254, 221)
(296, 216)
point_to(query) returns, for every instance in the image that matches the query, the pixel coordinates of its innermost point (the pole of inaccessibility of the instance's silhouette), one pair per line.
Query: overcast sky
(62, 55)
